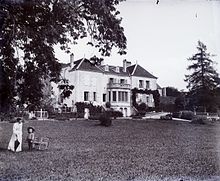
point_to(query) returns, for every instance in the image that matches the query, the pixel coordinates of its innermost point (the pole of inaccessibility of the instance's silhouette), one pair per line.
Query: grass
(128, 150)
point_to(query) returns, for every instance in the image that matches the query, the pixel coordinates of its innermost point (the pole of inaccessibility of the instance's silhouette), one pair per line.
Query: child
(30, 137)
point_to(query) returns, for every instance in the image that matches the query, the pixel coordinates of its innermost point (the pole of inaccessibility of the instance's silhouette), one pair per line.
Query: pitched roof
(158, 86)
(112, 70)
(85, 64)
(64, 65)
(137, 70)
(134, 70)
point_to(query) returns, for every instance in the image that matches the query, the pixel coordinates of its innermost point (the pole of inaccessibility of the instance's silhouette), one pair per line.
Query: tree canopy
(30, 29)
(203, 80)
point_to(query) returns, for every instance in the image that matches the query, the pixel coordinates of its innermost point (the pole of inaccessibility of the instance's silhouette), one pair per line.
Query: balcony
(113, 85)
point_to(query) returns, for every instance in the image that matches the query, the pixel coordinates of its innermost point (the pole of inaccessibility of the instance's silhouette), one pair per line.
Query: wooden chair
(41, 143)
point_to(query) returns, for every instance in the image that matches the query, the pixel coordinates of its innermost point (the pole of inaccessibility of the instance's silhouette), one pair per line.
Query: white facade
(101, 84)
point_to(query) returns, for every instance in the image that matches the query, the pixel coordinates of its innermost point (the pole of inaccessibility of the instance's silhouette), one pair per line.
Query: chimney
(126, 64)
(71, 60)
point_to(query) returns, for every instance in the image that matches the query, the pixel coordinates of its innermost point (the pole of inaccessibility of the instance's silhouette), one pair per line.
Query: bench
(40, 143)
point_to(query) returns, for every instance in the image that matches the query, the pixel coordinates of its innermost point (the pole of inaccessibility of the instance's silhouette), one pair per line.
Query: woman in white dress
(86, 113)
(15, 143)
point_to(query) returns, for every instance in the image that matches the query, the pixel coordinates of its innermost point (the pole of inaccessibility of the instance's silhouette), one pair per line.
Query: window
(119, 96)
(94, 96)
(147, 99)
(147, 84)
(86, 96)
(109, 96)
(104, 97)
(111, 80)
(114, 95)
(122, 81)
(122, 96)
(141, 84)
(126, 97)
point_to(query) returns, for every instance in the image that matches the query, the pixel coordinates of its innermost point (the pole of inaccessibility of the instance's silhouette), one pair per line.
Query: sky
(160, 37)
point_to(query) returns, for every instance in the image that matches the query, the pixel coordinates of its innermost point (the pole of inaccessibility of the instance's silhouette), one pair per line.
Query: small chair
(41, 143)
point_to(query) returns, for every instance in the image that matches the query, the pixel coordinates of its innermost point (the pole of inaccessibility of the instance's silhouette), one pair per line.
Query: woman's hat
(29, 128)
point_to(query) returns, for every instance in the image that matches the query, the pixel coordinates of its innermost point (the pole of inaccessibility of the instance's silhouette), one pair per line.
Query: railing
(41, 115)
(118, 85)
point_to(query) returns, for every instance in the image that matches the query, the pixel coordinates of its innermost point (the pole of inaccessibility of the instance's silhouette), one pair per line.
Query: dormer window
(106, 68)
(117, 69)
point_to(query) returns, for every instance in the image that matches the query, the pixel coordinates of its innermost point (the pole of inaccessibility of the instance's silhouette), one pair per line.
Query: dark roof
(134, 70)
(131, 69)
(76, 64)
(137, 70)
(64, 65)
(112, 70)
(158, 86)
(84, 64)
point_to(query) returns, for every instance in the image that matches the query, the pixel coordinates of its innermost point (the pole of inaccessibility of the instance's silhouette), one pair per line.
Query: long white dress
(17, 134)
(86, 113)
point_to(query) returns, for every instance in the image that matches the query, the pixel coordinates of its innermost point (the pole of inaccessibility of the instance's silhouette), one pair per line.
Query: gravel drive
(134, 150)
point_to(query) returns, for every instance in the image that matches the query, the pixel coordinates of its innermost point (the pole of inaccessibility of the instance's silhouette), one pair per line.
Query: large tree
(203, 80)
(29, 29)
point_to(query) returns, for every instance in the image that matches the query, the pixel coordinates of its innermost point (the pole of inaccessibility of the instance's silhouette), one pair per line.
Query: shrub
(176, 114)
(187, 115)
(199, 120)
(95, 117)
(62, 116)
(105, 119)
(92, 109)
(115, 114)
(136, 117)
(142, 109)
(108, 105)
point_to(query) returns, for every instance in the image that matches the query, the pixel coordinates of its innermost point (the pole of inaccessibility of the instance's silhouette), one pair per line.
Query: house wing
(137, 70)
(85, 64)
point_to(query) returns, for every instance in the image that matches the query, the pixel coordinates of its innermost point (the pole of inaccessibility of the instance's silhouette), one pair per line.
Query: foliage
(199, 120)
(108, 105)
(92, 109)
(30, 29)
(142, 108)
(189, 115)
(155, 93)
(47, 101)
(171, 91)
(182, 102)
(203, 80)
(105, 119)
(115, 114)
(62, 116)
(66, 89)
(176, 114)
(30, 87)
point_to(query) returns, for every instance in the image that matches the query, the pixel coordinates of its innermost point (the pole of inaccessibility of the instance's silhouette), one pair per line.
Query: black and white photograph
(109, 90)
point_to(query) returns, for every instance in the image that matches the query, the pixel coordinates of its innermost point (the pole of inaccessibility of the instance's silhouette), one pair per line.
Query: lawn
(128, 150)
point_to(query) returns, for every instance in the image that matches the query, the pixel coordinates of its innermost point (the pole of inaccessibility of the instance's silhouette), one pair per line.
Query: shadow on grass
(3, 149)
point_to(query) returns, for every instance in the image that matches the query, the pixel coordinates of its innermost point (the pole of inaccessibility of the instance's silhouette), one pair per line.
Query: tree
(171, 91)
(203, 80)
(30, 29)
